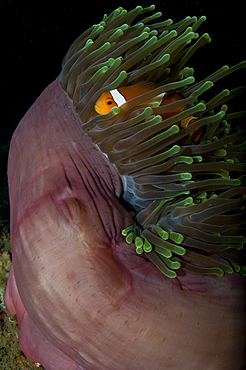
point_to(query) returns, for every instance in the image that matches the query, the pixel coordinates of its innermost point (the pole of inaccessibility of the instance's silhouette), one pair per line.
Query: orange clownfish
(117, 97)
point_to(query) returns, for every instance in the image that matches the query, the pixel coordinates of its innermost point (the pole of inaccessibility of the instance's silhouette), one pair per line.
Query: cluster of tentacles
(188, 198)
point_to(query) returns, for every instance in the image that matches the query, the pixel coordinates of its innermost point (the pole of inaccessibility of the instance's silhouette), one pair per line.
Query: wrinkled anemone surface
(187, 199)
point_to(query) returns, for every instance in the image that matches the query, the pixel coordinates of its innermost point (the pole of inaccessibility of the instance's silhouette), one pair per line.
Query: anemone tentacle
(188, 197)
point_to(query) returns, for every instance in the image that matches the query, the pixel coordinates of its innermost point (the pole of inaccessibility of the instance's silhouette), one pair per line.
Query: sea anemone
(127, 227)
(187, 198)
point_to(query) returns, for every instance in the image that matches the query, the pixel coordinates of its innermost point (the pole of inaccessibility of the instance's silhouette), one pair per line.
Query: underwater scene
(122, 214)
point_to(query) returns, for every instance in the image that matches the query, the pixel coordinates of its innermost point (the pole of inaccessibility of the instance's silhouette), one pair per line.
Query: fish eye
(109, 101)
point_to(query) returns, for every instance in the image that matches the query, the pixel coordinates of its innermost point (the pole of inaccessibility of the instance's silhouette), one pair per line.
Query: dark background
(36, 35)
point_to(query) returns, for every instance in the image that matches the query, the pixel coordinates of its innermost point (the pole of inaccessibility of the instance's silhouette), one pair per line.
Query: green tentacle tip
(227, 129)
(114, 111)
(130, 237)
(206, 35)
(197, 158)
(183, 203)
(178, 250)
(188, 201)
(139, 242)
(185, 176)
(126, 231)
(202, 196)
(220, 152)
(171, 131)
(139, 245)
(124, 27)
(162, 233)
(172, 274)
(152, 7)
(177, 238)
(147, 247)
(242, 270)
(174, 150)
(217, 271)
(169, 273)
(88, 43)
(139, 250)
(238, 268)
(116, 35)
(175, 265)
(189, 80)
(186, 159)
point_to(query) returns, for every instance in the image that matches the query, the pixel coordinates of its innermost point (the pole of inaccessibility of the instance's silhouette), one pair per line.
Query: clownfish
(117, 97)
